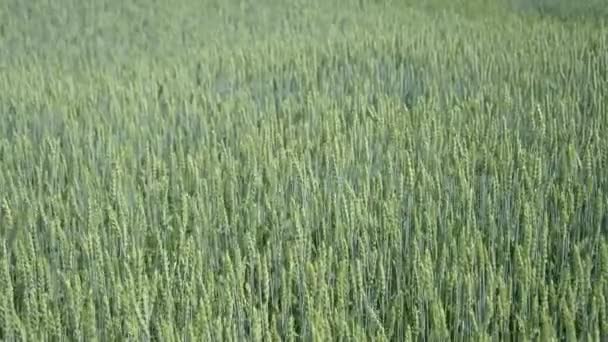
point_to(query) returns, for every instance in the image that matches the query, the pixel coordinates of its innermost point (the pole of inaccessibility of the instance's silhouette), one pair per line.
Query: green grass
(302, 170)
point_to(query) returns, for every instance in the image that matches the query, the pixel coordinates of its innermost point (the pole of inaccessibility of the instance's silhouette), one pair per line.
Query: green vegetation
(303, 170)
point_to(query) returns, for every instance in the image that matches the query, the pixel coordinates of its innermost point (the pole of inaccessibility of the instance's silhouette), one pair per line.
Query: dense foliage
(302, 170)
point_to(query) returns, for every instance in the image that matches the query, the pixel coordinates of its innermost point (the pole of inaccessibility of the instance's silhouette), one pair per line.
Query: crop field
(348, 170)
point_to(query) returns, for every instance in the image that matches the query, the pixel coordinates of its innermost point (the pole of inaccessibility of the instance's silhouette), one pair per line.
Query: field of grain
(348, 170)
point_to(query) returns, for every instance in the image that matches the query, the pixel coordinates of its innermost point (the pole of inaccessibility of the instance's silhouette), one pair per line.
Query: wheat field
(348, 170)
